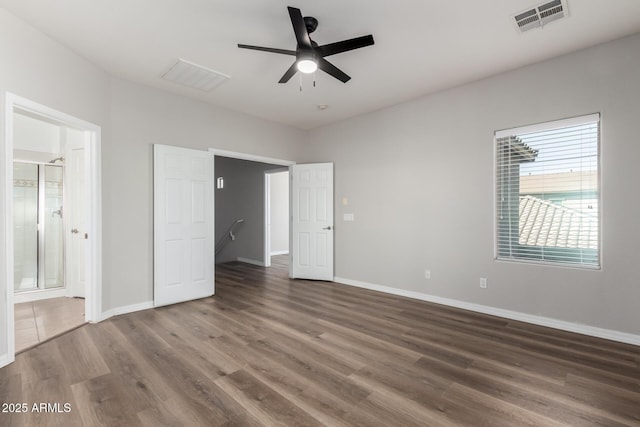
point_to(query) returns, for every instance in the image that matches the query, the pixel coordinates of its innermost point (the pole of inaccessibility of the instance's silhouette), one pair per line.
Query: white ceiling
(421, 46)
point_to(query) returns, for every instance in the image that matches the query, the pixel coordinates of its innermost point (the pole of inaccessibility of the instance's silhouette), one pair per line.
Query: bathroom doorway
(52, 225)
(47, 201)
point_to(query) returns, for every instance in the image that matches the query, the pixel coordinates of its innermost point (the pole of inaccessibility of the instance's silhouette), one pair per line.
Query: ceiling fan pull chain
(314, 79)
(300, 82)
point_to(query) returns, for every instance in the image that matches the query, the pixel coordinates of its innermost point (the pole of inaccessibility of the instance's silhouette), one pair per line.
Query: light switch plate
(348, 217)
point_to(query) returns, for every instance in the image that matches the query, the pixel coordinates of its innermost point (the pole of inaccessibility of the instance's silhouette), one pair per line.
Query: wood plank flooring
(270, 351)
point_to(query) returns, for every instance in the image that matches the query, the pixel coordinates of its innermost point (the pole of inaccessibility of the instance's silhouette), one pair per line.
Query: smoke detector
(539, 16)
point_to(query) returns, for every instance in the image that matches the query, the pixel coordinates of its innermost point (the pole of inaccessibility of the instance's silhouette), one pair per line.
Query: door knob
(74, 230)
(327, 228)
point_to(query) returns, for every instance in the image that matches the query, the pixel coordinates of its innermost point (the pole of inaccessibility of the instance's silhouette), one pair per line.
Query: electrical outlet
(483, 282)
(427, 274)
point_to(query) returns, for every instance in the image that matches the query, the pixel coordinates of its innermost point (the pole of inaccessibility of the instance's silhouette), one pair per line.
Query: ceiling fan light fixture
(307, 65)
(309, 55)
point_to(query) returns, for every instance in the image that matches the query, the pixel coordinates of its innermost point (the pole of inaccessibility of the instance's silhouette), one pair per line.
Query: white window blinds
(547, 192)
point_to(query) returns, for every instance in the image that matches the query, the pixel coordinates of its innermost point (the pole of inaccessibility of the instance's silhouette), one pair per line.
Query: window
(548, 193)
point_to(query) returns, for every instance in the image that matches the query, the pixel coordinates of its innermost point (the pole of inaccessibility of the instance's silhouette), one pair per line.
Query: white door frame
(93, 300)
(261, 159)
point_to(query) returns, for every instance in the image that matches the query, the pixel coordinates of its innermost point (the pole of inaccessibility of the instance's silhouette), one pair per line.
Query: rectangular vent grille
(541, 15)
(194, 76)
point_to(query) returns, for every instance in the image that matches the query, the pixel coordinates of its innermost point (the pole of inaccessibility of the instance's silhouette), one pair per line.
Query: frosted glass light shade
(307, 66)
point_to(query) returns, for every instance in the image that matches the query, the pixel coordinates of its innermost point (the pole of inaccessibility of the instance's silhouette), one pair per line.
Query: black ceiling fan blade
(290, 72)
(332, 70)
(268, 49)
(345, 45)
(299, 28)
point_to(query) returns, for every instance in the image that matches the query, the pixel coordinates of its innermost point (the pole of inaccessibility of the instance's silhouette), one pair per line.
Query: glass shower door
(38, 261)
(53, 233)
(25, 226)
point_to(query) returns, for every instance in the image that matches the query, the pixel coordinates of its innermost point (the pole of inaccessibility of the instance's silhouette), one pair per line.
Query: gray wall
(420, 179)
(241, 198)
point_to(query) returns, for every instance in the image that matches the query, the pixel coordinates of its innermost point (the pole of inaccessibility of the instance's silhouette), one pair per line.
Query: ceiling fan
(310, 56)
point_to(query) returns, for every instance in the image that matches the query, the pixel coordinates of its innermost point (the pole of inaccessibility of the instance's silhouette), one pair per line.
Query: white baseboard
(578, 328)
(286, 252)
(251, 261)
(126, 309)
(5, 360)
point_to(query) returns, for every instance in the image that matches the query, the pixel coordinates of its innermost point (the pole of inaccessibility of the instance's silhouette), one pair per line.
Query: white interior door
(75, 210)
(312, 222)
(183, 228)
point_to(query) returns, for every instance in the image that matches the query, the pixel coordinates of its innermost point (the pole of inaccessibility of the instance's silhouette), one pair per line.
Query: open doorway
(242, 211)
(276, 187)
(52, 234)
(242, 208)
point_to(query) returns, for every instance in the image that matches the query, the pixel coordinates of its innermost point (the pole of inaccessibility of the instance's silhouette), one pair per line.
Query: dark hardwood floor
(270, 351)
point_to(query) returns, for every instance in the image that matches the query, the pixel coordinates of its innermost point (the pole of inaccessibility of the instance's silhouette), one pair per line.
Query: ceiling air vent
(194, 76)
(541, 15)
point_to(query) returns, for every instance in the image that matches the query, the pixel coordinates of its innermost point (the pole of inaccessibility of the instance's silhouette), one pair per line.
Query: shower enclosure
(38, 226)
